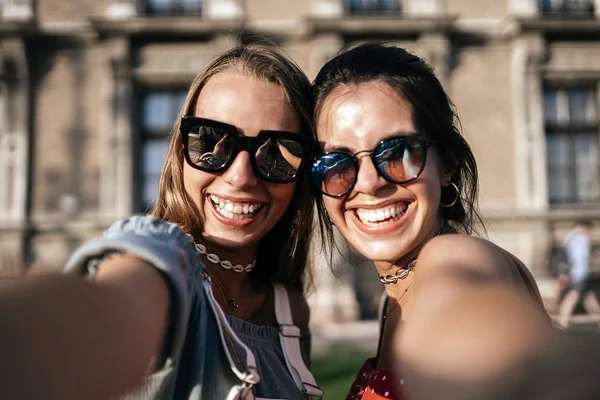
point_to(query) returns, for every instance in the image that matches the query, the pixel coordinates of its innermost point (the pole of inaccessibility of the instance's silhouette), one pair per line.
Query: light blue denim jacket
(193, 364)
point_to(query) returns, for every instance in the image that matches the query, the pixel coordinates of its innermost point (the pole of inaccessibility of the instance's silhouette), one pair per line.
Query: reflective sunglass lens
(208, 148)
(334, 173)
(400, 159)
(279, 159)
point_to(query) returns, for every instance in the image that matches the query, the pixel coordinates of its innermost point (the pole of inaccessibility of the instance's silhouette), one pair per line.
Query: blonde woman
(204, 299)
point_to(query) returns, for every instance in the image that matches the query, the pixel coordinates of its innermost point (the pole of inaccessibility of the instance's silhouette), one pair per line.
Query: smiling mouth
(381, 216)
(233, 210)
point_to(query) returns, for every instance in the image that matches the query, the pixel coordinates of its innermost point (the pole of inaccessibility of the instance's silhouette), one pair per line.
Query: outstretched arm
(64, 337)
(474, 330)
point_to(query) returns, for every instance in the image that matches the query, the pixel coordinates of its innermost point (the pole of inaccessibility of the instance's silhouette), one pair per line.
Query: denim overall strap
(250, 376)
(289, 335)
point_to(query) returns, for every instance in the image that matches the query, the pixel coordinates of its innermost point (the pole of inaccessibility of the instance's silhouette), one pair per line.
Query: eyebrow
(344, 149)
(341, 149)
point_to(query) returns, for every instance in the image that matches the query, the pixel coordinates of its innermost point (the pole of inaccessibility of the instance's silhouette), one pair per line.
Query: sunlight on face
(251, 105)
(382, 220)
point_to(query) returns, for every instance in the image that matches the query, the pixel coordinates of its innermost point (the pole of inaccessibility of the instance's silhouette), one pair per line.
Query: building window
(567, 8)
(159, 110)
(366, 7)
(174, 7)
(573, 164)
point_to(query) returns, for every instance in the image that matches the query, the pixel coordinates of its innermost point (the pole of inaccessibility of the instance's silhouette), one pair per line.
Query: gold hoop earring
(455, 199)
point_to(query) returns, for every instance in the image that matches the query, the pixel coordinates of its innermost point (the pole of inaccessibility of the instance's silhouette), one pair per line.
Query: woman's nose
(368, 179)
(240, 173)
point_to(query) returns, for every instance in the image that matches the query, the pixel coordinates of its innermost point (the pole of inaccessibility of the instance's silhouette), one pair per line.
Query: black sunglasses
(398, 159)
(275, 156)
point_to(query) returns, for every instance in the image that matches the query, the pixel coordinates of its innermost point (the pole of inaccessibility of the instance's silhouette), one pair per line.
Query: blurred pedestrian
(577, 248)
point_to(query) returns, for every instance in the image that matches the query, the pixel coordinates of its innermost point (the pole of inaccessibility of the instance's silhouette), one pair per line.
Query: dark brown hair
(434, 115)
(282, 253)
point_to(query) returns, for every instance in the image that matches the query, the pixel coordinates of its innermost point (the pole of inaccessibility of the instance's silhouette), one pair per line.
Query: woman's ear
(446, 177)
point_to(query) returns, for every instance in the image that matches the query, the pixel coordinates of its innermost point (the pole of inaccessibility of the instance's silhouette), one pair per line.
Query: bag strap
(289, 336)
(382, 307)
(250, 376)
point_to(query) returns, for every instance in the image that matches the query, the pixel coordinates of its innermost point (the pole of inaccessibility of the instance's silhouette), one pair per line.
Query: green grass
(336, 368)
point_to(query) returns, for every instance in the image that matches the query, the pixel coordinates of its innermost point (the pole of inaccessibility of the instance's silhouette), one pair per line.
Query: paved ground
(359, 334)
(363, 334)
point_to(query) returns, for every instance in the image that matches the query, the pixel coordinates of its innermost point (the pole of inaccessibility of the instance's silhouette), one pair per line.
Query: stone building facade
(89, 89)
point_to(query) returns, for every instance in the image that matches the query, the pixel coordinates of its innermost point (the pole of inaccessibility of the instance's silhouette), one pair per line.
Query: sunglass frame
(249, 144)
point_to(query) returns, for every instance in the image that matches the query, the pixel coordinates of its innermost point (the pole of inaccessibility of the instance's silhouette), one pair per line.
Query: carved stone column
(334, 299)
(14, 137)
(527, 55)
(117, 171)
(323, 48)
(436, 49)
(14, 157)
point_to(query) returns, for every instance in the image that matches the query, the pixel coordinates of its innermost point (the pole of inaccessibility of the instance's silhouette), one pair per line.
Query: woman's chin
(384, 252)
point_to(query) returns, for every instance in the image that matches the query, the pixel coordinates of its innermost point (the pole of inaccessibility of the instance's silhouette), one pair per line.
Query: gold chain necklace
(400, 274)
(397, 301)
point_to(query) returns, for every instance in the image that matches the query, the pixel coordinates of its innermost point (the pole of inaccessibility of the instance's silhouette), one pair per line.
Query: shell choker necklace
(226, 264)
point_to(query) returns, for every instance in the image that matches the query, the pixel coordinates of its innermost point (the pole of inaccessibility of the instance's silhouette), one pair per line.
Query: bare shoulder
(299, 306)
(469, 252)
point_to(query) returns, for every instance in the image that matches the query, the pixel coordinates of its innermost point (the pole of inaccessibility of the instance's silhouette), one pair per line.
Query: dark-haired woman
(399, 182)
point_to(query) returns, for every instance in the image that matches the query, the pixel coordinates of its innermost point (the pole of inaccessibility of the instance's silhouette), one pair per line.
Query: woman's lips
(236, 213)
(380, 220)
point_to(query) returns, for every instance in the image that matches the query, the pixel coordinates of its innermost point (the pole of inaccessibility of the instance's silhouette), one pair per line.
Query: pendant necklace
(233, 305)
(397, 302)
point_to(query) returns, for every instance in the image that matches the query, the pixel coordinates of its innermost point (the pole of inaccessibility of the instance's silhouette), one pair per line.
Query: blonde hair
(282, 253)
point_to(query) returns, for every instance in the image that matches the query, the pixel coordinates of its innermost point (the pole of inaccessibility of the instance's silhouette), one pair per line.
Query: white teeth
(382, 215)
(234, 210)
